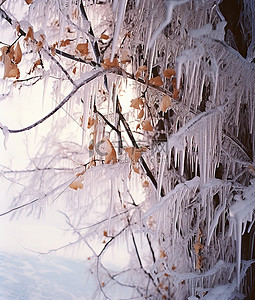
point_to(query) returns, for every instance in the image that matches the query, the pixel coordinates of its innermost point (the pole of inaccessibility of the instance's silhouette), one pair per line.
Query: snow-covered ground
(28, 277)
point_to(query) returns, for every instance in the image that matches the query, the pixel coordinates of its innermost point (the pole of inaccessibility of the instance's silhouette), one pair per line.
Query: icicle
(6, 135)
(170, 5)
(120, 17)
(161, 174)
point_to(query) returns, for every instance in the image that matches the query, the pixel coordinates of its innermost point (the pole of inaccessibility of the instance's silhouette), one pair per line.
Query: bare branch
(65, 100)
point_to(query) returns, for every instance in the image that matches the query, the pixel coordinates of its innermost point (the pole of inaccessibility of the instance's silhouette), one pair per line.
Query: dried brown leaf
(17, 54)
(168, 73)
(140, 114)
(110, 152)
(91, 122)
(197, 247)
(156, 81)
(107, 64)
(29, 35)
(83, 48)
(175, 93)
(104, 37)
(77, 184)
(29, 2)
(134, 153)
(145, 183)
(165, 103)
(10, 69)
(146, 125)
(135, 103)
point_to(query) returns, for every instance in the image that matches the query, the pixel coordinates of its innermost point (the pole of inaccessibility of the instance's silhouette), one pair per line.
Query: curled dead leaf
(107, 64)
(83, 48)
(64, 43)
(165, 103)
(140, 114)
(175, 93)
(10, 68)
(146, 125)
(104, 37)
(28, 2)
(90, 122)
(110, 152)
(135, 103)
(157, 81)
(53, 49)
(134, 153)
(77, 184)
(37, 63)
(145, 183)
(168, 73)
(139, 71)
(17, 54)
(162, 254)
(29, 35)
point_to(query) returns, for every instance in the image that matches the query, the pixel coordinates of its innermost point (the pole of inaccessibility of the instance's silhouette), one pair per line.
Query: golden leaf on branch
(37, 63)
(29, 35)
(77, 184)
(135, 103)
(64, 43)
(39, 46)
(107, 64)
(175, 93)
(90, 122)
(110, 152)
(104, 36)
(140, 69)
(145, 183)
(134, 153)
(17, 54)
(197, 247)
(140, 114)
(146, 125)
(10, 69)
(162, 253)
(83, 48)
(53, 49)
(165, 103)
(199, 262)
(168, 73)
(157, 81)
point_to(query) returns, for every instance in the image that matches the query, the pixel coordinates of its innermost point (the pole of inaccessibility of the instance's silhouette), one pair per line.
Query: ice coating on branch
(6, 135)
(241, 212)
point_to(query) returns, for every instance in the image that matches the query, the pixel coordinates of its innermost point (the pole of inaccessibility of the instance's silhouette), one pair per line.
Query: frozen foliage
(151, 145)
